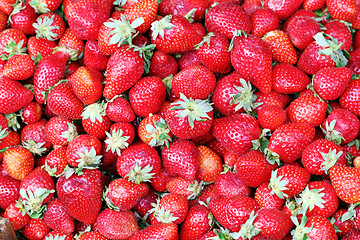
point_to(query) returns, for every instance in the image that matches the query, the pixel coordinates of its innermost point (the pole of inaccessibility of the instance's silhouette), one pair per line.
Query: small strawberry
(22, 17)
(120, 136)
(153, 130)
(160, 231)
(197, 222)
(313, 5)
(230, 185)
(143, 205)
(118, 109)
(57, 218)
(185, 188)
(271, 117)
(60, 131)
(263, 20)
(49, 26)
(349, 98)
(71, 44)
(16, 215)
(210, 165)
(33, 137)
(31, 113)
(341, 32)
(40, 47)
(265, 199)
(7, 6)
(346, 181)
(18, 162)
(36, 229)
(55, 162)
(337, 220)
(162, 65)
(282, 48)
(271, 98)
(12, 42)
(93, 57)
(145, 10)
(94, 120)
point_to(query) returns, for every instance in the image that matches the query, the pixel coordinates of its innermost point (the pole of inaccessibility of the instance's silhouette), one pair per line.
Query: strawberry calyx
(195, 188)
(159, 133)
(3, 132)
(272, 157)
(194, 110)
(33, 201)
(119, 3)
(40, 6)
(331, 134)
(293, 206)
(70, 133)
(13, 48)
(73, 54)
(331, 47)
(236, 33)
(309, 198)
(159, 27)
(206, 39)
(34, 147)
(160, 214)
(330, 159)
(94, 112)
(51, 171)
(221, 234)
(277, 185)
(116, 141)
(190, 15)
(262, 143)
(146, 53)
(248, 230)
(244, 98)
(168, 81)
(140, 174)
(17, 7)
(122, 30)
(350, 214)
(56, 237)
(300, 232)
(12, 121)
(44, 28)
(88, 159)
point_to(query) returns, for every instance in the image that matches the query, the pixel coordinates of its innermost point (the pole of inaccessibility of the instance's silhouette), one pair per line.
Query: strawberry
(188, 118)
(40, 47)
(346, 182)
(153, 130)
(49, 26)
(9, 191)
(160, 231)
(307, 109)
(36, 229)
(315, 228)
(83, 202)
(143, 205)
(162, 65)
(232, 212)
(60, 131)
(147, 96)
(330, 83)
(159, 181)
(16, 216)
(55, 162)
(10, 139)
(271, 117)
(172, 208)
(256, 66)
(345, 10)
(22, 17)
(263, 20)
(188, 59)
(285, 9)
(313, 5)
(49, 71)
(352, 235)
(174, 34)
(12, 42)
(139, 162)
(63, 102)
(176, 7)
(227, 18)
(84, 152)
(7, 6)
(92, 236)
(34, 138)
(195, 82)
(71, 44)
(181, 158)
(13, 96)
(86, 24)
(118, 109)
(349, 98)
(288, 79)
(289, 141)
(339, 31)
(57, 218)
(185, 188)
(301, 30)
(120, 136)
(145, 10)
(282, 48)
(55, 234)
(344, 226)
(288, 181)
(341, 126)
(321, 155)
(253, 169)
(271, 98)
(229, 185)
(237, 132)
(120, 78)
(3, 20)
(93, 57)
(210, 165)
(31, 113)
(94, 120)
(18, 162)
(265, 199)
(42, 6)
(197, 222)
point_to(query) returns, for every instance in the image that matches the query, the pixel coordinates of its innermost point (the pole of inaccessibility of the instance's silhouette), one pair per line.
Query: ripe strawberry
(160, 231)
(13, 96)
(146, 10)
(63, 102)
(172, 208)
(93, 57)
(17, 217)
(176, 7)
(346, 182)
(232, 212)
(39, 46)
(118, 109)
(256, 66)
(345, 10)
(86, 24)
(181, 158)
(18, 162)
(253, 169)
(94, 120)
(341, 126)
(313, 5)
(301, 30)
(31, 113)
(60, 131)
(265, 199)
(71, 44)
(188, 118)
(55, 234)
(139, 162)
(55, 162)
(188, 59)
(153, 130)
(34, 138)
(162, 65)
(288, 79)
(3, 20)
(214, 46)
(271, 98)
(315, 228)
(22, 17)
(307, 109)
(288, 181)
(349, 98)
(120, 78)
(83, 202)
(44, 6)
(120, 136)
(147, 96)
(92, 235)
(49, 26)
(12, 42)
(10, 139)
(7, 6)
(263, 20)
(289, 141)
(159, 181)
(229, 185)
(339, 31)
(36, 229)
(282, 48)
(210, 165)
(236, 132)
(9, 191)
(285, 9)
(195, 82)
(57, 218)
(271, 117)
(143, 205)
(185, 188)
(321, 155)
(197, 222)
(344, 226)
(174, 34)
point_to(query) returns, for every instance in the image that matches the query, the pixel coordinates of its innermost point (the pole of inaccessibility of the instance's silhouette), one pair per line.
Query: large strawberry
(197, 222)
(81, 195)
(13, 96)
(18, 162)
(345, 10)
(346, 181)
(19, 67)
(256, 66)
(315, 228)
(57, 218)
(146, 10)
(301, 30)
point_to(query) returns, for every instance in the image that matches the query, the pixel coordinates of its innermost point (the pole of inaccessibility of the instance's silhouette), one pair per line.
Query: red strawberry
(7, 6)
(13, 96)
(83, 202)
(160, 180)
(265, 199)
(346, 181)
(185, 188)
(143, 205)
(289, 141)
(210, 165)
(12, 42)
(283, 10)
(120, 136)
(49, 26)
(271, 117)
(145, 9)
(256, 66)
(315, 228)
(230, 185)
(31, 113)
(34, 138)
(271, 98)
(57, 218)
(349, 98)
(3, 20)
(60, 131)
(181, 158)
(339, 31)
(337, 220)
(288, 181)
(71, 44)
(118, 109)
(16, 215)
(313, 5)
(45, 5)
(263, 20)
(197, 222)
(55, 162)
(9, 191)
(93, 57)
(22, 17)
(92, 235)
(94, 120)
(160, 231)
(177, 7)
(188, 59)
(344, 10)
(162, 65)
(282, 48)
(236, 132)
(39, 46)
(288, 79)
(18, 162)
(36, 229)
(301, 30)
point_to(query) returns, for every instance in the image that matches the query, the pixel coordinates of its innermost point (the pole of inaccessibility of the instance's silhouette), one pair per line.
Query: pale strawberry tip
(33, 201)
(140, 174)
(309, 199)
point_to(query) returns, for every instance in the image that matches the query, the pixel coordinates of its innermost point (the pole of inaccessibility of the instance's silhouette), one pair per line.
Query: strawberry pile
(180, 119)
